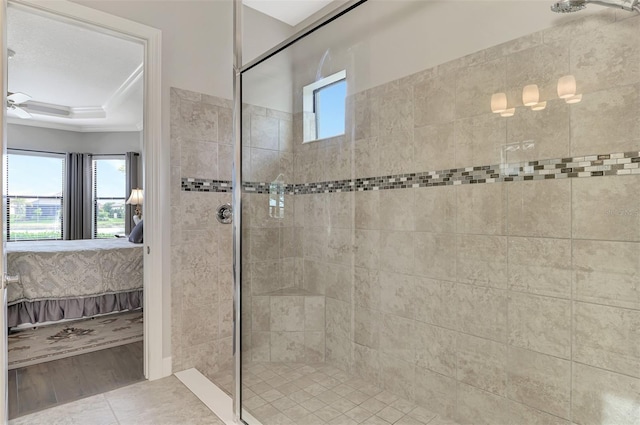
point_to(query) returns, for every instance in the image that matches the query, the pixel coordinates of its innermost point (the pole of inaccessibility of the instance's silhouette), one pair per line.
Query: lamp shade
(136, 197)
(498, 103)
(566, 86)
(530, 95)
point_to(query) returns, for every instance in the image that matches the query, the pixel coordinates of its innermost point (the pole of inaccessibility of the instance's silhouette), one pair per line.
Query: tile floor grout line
(113, 412)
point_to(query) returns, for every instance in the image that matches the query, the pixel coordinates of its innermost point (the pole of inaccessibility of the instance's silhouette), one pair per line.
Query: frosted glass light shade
(574, 99)
(539, 106)
(566, 86)
(530, 95)
(498, 103)
(508, 112)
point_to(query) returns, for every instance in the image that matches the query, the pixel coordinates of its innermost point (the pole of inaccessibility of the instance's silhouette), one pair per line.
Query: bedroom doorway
(74, 144)
(71, 270)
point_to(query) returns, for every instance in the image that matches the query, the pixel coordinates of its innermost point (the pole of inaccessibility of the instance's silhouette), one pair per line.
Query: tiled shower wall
(496, 302)
(201, 159)
(201, 253)
(282, 321)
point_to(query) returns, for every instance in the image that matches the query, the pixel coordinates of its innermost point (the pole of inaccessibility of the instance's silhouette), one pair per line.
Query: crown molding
(49, 109)
(74, 127)
(84, 112)
(66, 112)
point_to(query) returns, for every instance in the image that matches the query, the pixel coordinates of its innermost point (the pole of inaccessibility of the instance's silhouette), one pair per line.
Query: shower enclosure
(440, 213)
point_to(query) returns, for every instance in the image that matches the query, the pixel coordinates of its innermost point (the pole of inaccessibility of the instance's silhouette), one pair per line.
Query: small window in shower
(324, 107)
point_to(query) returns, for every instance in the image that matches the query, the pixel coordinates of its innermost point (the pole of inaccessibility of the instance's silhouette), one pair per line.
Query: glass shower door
(463, 245)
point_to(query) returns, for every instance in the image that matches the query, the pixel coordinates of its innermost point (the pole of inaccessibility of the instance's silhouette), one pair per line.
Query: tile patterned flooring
(305, 394)
(274, 393)
(163, 402)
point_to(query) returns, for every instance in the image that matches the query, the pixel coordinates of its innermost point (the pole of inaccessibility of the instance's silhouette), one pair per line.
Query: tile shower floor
(304, 394)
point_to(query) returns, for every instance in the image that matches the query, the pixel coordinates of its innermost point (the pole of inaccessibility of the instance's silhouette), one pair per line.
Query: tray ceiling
(94, 76)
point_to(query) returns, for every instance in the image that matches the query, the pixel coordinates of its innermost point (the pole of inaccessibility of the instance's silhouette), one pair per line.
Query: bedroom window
(34, 199)
(109, 187)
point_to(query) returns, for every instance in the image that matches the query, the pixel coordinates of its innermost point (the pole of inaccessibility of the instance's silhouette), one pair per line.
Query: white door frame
(156, 192)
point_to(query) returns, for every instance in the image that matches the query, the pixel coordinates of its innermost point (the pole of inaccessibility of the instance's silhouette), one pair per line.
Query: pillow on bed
(136, 234)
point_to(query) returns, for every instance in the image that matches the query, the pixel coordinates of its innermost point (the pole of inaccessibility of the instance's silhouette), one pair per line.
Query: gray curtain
(77, 197)
(131, 166)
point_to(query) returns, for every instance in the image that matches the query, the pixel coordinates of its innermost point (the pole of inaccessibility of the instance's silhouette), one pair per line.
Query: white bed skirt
(73, 279)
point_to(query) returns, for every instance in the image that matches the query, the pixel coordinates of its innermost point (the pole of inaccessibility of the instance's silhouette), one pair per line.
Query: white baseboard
(167, 366)
(213, 397)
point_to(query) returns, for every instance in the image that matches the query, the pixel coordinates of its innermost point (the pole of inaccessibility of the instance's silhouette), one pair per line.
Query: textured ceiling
(291, 12)
(74, 66)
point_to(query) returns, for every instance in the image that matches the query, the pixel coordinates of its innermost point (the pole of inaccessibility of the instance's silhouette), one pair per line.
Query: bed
(72, 279)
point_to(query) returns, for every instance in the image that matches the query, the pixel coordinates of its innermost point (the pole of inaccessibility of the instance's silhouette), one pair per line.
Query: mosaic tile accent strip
(205, 185)
(261, 187)
(560, 168)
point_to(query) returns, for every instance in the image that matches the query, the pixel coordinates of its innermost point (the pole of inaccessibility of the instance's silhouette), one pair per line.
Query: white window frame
(310, 133)
(40, 154)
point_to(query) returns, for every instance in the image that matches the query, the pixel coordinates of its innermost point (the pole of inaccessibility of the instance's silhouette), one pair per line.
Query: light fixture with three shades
(531, 97)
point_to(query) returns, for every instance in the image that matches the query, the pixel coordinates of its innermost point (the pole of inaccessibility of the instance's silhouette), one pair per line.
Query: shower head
(569, 6)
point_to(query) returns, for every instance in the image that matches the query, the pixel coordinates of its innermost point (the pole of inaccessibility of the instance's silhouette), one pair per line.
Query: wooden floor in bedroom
(49, 384)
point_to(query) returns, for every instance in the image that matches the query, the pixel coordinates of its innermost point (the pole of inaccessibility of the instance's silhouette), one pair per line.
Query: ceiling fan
(22, 106)
(15, 102)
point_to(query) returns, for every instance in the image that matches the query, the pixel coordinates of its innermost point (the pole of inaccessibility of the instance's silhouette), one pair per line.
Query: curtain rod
(33, 150)
(63, 153)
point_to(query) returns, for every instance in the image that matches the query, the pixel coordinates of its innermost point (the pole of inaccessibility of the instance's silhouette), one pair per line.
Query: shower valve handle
(224, 214)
